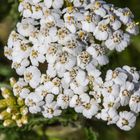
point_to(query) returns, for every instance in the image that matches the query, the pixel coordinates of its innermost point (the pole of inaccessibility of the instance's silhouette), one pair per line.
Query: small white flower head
(90, 109)
(118, 41)
(98, 53)
(88, 24)
(8, 52)
(20, 88)
(54, 86)
(102, 31)
(134, 103)
(118, 77)
(125, 15)
(125, 93)
(34, 101)
(37, 12)
(109, 88)
(32, 75)
(83, 59)
(113, 21)
(37, 55)
(64, 62)
(25, 8)
(77, 102)
(132, 27)
(111, 102)
(26, 26)
(97, 8)
(20, 67)
(109, 115)
(126, 120)
(133, 73)
(51, 108)
(56, 4)
(64, 99)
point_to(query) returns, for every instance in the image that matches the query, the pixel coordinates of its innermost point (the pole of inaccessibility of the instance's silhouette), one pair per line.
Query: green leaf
(90, 134)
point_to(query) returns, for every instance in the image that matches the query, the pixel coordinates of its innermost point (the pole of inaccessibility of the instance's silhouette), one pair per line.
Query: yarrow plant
(58, 48)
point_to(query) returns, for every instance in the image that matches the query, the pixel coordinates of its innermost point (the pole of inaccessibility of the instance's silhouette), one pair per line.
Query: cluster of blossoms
(13, 110)
(57, 51)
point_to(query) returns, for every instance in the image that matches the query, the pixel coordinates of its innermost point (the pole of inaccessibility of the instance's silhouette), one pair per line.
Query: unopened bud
(20, 101)
(6, 93)
(4, 115)
(24, 119)
(24, 110)
(8, 122)
(12, 81)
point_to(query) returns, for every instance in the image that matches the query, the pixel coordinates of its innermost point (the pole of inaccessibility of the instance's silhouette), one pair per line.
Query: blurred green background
(85, 129)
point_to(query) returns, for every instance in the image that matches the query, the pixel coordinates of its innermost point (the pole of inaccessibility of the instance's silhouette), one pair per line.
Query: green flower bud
(20, 101)
(6, 93)
(24, 119)
(24, 110)
(3, 104)
(4, 115)
(12, 81)
(8, 122)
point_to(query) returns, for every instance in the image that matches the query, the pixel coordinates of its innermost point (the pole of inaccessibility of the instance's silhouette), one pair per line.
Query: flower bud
(24, 110)
(8, 122)
(4, 115)
(12, 81)
(6, 93)
(24, 119)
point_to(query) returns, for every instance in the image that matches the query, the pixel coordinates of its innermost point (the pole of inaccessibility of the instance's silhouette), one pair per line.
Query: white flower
(70, 22)
(102, 31)
(125, 93)
(113, 21)
(56, 4)
(83, 59)
(26, 26)
(34, 102)
(134, 103)
(97, 7)
(132, 28)
(111, 102)
(125, 14)
(51, 71)
(32, 75)
(116, 76)
(54, 86)
(90, 109)
(8, 52)
(77, 102)
(21, 51)
(87, 24)
(51, 108)
(133, 72)
(63, 99)
(79, 3)
(73, 47)
(109, 88)
(25, 8)
(20, 88)
(109, 115)
(37, 11)
(42, 90)
(37, 55)
(126, 120)
(64, 62)
(20, 67)
(118, 41)
(98, 53)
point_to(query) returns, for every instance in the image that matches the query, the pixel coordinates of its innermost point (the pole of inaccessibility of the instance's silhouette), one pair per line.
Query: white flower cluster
(57, 52)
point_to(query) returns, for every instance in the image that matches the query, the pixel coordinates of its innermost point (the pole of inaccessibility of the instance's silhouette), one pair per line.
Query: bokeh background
(40, 129)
